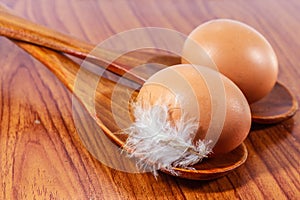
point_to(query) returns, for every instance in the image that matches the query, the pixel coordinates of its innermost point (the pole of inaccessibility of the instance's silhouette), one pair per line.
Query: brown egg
(238, 51)
(200, 93)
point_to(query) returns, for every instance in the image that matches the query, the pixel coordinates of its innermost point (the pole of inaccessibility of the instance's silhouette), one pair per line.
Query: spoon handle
(17, 28)
(66, 70)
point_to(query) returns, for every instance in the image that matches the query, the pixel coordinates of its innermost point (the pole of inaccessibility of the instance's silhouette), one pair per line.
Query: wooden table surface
(41, 155)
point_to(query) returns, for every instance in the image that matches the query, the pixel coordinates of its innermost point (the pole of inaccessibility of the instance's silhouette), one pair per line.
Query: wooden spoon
(66, 71)
(274, 108)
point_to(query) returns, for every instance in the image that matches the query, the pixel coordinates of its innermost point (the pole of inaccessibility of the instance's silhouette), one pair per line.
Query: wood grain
(42, 156)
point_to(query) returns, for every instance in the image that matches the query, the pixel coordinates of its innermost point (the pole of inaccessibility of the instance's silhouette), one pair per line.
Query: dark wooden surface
(42, 156)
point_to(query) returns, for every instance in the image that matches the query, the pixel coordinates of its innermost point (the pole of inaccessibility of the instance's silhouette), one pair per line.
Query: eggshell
(207, 96)
(239, 52)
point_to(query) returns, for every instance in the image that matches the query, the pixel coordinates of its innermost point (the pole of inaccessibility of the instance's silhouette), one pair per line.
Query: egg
(236, 50)
(195, 93)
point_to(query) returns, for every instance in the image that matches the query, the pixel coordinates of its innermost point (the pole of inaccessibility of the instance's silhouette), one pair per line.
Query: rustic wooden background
(41, 155)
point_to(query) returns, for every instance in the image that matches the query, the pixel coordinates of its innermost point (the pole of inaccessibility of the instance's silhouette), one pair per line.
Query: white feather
(160, 144)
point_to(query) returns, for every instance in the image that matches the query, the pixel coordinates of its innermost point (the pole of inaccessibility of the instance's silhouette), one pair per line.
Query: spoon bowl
(214, 168)
(280, 104)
